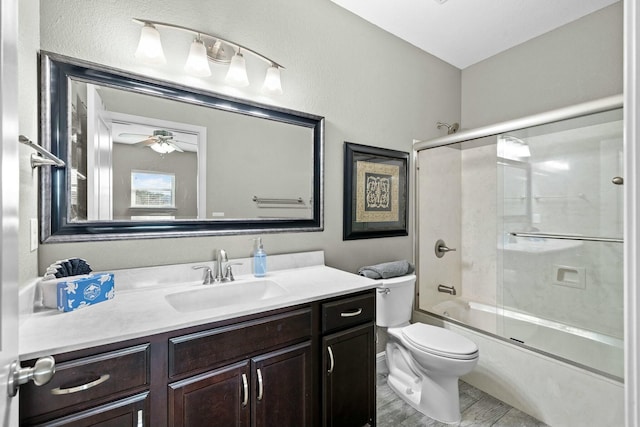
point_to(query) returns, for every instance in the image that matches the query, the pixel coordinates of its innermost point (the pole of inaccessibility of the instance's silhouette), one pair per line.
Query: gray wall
(371, 87)
(578, 62)
(334, 69)
(28, 45)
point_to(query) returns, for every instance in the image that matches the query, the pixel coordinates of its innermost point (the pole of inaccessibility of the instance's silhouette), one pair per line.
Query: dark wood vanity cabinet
(216, 398)
(261, 370)
(259, 376)
(270, 390)
(109, 388)
(348, 360)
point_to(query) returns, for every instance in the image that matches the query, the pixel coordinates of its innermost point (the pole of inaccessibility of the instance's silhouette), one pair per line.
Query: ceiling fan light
(272, 82)
(197, 63)
(149, 48)
(162, 148)
(237, 74)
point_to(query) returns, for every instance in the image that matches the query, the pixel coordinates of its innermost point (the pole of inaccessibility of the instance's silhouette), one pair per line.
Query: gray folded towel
(386, 270)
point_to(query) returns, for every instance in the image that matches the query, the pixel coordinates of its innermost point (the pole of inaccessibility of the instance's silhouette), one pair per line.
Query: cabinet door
(131, 412)
(219, 398)
(349, 377)
(282, 381)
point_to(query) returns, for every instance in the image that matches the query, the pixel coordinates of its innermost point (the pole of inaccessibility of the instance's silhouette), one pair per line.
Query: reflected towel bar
(45, 158)
(568, 237)
(580, 196)
(264, 200)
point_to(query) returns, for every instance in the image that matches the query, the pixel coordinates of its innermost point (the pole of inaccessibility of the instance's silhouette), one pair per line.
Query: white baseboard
(381, 363)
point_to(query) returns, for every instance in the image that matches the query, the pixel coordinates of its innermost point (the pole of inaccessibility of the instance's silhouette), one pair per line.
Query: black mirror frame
(55, 72)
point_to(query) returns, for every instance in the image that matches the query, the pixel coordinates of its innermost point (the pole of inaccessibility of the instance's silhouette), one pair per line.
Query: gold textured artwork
(377, 191)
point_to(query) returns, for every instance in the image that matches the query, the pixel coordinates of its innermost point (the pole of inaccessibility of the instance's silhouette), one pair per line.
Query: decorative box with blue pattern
(76, 292)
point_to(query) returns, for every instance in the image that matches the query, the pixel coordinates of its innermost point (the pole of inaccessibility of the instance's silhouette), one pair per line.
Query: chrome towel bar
(265, 200)
(45, 158)
(568, 237)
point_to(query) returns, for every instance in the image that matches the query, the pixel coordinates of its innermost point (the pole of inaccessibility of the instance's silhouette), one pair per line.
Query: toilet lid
(440, 341)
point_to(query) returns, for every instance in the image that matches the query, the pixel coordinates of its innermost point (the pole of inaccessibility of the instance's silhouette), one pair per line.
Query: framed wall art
(375, 192)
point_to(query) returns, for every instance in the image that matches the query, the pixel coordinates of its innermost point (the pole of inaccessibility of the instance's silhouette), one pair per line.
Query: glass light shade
(149, 48)
(237, 74)
(197, 63)
(272, 82)
(162, 148)
(513, 148)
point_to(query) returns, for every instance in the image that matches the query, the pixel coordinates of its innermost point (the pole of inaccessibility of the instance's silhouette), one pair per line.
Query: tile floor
(478, 410)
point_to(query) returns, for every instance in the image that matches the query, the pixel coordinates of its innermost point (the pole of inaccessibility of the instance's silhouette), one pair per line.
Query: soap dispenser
(259, 259)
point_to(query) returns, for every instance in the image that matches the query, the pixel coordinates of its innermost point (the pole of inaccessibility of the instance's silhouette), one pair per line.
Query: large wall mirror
(146, 158)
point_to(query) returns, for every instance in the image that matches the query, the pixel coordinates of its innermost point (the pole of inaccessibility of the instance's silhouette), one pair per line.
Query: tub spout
(447, 289)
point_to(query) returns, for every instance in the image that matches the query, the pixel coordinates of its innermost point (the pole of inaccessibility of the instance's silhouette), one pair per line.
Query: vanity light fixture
(197, 63)
(237, 74)
(513, 148)
(149, 48)
(205, 48)
(272, 81)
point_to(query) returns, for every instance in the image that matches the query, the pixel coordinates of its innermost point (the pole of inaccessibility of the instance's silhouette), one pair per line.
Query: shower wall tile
(478, 226)
(530, 285)
(439, 212)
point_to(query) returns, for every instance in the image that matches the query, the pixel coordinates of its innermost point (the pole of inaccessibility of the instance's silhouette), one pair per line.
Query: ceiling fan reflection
(161, 141)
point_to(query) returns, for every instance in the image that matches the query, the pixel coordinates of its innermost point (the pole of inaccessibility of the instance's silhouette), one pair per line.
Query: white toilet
(424, 361)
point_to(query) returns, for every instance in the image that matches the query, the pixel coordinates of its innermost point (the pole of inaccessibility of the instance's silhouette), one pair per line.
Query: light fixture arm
(211, 38)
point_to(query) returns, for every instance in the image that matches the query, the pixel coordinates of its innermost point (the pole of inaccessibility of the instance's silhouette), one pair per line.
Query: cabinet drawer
(130, 412)
(95, 378)
(212, 348)
(348, 312)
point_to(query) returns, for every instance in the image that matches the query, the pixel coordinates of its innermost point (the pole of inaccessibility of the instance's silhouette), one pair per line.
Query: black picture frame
(376, 192)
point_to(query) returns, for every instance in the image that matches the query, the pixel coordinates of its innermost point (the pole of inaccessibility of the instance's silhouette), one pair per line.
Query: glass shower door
(560, 227)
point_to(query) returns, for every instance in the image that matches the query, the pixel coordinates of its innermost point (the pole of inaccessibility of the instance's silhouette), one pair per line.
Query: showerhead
(450, 128)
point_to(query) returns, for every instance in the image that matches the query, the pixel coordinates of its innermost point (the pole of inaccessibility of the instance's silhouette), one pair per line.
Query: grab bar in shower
(567, 237)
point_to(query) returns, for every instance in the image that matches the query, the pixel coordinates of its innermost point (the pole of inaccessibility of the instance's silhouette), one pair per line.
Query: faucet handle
(228, 274)
(207, 277)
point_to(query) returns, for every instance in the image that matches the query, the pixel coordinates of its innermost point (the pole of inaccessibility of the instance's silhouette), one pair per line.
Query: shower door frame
(578, 110)
(631, 35)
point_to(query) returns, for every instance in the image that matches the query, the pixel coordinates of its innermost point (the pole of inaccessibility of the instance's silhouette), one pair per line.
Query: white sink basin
(218, 295)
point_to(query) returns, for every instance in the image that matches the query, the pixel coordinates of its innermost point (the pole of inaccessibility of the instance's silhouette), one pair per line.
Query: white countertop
(140, 309)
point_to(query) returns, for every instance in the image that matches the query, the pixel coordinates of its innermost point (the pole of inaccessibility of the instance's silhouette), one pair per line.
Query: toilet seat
(441, 342)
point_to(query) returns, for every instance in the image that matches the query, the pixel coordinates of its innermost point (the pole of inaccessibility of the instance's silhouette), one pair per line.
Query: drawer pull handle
(331, 361)
(245, 389)
(83, 387)
(260, 389)
(353, 313)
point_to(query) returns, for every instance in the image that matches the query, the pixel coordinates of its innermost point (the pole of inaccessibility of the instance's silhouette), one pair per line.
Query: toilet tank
(394, 302)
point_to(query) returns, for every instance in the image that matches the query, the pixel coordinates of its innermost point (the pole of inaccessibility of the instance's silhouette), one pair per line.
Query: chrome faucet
(221, 259)
(447, 289)
(223, 271)
(207, 278)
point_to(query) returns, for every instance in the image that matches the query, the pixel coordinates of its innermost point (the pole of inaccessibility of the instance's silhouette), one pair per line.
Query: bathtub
(593, 351)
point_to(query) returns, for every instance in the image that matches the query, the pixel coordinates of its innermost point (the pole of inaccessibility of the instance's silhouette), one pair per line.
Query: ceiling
(464, 32)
